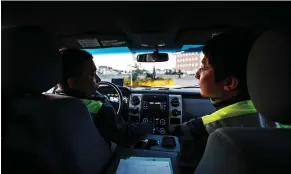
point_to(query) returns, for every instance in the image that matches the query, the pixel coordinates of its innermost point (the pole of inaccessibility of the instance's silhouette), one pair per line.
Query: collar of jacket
(236, 109)
(218, 104)
(72, 93)
(80, 95)
(98, 96)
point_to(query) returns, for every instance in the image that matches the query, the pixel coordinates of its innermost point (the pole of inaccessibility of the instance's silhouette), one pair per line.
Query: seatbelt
(237, 109)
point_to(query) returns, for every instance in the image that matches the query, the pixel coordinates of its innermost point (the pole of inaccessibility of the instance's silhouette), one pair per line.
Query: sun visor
(165, 41)
(94, 41)
(195, 37)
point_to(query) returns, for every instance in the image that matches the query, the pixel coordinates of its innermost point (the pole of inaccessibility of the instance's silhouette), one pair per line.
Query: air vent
(175, 102)
(135, 100)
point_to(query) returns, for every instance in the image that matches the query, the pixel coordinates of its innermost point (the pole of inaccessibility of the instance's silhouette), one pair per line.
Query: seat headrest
(268, 75)
(30, 60)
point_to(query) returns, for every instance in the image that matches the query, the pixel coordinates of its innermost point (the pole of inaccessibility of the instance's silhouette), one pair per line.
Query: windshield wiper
(184, 87)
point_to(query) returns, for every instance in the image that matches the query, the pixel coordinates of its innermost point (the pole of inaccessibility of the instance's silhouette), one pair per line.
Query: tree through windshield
(119, 65)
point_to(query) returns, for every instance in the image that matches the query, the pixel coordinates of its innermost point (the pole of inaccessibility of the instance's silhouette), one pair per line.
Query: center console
(163, 111)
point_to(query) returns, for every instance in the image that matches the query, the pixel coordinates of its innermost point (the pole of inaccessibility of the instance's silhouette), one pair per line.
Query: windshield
(119, 65)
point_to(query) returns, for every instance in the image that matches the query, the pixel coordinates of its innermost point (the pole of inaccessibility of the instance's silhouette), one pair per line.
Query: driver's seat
(43, 133)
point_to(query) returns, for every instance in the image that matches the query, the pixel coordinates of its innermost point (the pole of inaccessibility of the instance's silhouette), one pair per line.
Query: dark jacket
(231, 113)
(111, 126)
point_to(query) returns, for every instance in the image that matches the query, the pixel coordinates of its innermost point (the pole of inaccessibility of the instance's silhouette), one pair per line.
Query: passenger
(79, 79)
(222, 77)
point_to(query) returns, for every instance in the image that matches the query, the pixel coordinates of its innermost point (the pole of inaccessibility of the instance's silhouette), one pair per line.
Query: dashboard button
(145, 120)
(162, 121)
(162, 131)
(175, 112)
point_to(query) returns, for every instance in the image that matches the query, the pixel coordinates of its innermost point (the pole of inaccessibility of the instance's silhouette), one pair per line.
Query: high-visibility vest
(236, 109)
(92, 105)
(284, 126)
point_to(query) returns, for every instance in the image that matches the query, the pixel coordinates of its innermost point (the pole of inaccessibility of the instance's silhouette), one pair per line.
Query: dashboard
(164, 108)
(163, 111)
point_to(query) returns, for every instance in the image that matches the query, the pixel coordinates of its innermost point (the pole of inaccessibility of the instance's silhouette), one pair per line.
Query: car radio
(163, 111)
(155, 110)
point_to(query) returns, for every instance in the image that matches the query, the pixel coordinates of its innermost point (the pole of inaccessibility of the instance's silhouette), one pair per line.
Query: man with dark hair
(80, 80)
(75, 64)
(222, 78)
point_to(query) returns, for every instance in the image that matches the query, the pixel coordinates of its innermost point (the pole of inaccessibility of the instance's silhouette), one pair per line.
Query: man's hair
(228, 55)
(73, 63)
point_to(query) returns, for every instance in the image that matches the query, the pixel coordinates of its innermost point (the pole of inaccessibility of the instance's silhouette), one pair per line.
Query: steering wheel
(119, 93)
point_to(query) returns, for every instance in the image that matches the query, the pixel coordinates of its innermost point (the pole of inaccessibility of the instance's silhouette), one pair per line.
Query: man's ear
(230, 84)
(71, 82)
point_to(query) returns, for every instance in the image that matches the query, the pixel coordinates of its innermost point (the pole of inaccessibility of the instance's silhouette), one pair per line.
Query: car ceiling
(171, 23)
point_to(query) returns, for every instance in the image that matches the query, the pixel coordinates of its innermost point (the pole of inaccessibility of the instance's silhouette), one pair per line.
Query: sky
(124, 60)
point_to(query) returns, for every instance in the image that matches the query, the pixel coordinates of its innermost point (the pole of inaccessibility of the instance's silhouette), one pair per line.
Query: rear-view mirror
(153, 57)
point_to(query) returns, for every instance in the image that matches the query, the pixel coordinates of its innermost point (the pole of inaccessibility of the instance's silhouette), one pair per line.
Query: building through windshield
(188, 62)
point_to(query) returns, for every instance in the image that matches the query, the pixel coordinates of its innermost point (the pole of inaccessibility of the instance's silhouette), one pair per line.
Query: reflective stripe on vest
(237, 109)
(92, 105)
(284, 126)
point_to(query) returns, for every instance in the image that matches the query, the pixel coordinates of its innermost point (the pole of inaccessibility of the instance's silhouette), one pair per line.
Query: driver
(222, 77)
(79, 79)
